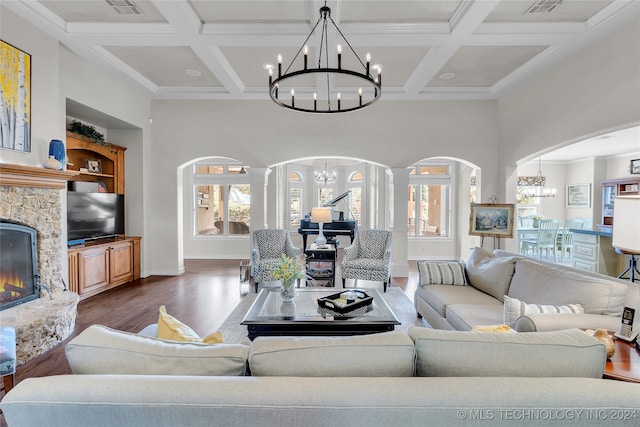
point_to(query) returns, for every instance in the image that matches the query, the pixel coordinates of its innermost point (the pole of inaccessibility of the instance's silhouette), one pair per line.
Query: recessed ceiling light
(446, 76)
(192, 73)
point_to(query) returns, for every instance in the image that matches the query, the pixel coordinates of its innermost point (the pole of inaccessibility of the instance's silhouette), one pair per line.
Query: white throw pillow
(442, 273)
(514, 308)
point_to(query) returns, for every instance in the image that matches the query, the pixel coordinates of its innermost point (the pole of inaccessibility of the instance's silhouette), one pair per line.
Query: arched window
(429, 196)
(222, 198)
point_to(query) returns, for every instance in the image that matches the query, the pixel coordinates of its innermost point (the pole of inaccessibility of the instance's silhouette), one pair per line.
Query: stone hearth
(33, 196)
(42, 324)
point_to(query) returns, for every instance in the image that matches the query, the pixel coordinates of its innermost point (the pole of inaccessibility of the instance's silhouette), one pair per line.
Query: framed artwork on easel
(491, 220)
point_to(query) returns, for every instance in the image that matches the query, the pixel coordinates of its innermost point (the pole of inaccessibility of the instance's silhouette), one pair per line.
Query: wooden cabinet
(96, 267)
(611, 189)
(110, 157)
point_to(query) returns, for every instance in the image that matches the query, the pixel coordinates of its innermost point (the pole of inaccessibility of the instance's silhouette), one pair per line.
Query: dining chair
(566, 241)
(525, 222)
(547, 239)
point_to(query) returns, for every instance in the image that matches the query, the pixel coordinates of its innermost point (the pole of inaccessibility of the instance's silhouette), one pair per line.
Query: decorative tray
(346, 302)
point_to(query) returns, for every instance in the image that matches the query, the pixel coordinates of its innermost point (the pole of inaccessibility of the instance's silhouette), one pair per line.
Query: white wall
(618, 167)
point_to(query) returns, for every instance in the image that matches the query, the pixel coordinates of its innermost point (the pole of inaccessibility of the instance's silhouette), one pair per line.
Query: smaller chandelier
(289, 90)
(325, 177)
(539, 182)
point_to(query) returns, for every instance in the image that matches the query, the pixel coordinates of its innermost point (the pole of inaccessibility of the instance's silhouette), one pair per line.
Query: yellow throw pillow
(170, 328)
(491, 328)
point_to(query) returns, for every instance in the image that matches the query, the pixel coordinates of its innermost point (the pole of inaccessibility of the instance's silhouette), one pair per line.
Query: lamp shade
(321, 215)
(626, 224)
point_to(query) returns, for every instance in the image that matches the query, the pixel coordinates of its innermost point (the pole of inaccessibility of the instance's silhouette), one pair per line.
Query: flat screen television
(94, 215)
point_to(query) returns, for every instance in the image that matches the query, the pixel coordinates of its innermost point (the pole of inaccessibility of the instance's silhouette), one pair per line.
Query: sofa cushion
(489, 273)
(440, 296)
(441, 273)
(546, 284)
(377, 355)
(101, 350)
(514, 308)
(567, 353)
(463, 317)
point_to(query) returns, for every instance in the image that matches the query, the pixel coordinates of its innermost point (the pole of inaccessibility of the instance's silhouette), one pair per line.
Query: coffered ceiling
(217, 49)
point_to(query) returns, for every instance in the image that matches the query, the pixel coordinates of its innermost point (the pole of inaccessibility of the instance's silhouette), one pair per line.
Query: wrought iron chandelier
(292, 89)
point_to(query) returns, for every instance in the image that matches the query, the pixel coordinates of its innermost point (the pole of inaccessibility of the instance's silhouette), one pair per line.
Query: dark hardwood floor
(202, 297)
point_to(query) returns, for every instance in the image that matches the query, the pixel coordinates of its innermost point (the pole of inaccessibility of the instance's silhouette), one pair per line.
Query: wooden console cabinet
(96, 267)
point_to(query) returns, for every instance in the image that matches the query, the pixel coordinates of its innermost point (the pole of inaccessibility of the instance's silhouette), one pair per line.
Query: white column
(259, 178)
(400, 244)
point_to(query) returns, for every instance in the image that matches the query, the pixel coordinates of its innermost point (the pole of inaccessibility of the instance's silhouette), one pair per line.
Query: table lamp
(321, 215)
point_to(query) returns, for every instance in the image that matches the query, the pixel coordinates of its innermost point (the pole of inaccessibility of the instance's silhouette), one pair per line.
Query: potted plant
(288, 270)
(88, 131)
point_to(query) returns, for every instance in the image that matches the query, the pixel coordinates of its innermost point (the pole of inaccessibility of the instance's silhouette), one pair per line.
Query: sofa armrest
(556, 322)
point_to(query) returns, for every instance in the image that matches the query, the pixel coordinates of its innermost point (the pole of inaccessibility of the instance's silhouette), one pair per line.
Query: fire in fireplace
(19, 279)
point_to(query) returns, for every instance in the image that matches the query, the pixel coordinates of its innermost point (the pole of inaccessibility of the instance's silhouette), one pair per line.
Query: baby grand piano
(340, 227)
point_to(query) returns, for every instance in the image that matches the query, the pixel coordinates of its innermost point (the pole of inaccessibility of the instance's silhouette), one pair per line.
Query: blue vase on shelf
(56, 149)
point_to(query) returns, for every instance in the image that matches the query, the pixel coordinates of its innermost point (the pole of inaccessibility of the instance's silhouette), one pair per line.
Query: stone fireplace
(32, 197)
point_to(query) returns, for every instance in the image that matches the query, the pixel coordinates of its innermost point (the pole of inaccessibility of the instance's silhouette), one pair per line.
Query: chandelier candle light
(365, 89)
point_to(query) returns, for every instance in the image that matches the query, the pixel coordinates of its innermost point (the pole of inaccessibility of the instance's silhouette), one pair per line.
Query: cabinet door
(72, 259)
(93, 269)
(121, 262)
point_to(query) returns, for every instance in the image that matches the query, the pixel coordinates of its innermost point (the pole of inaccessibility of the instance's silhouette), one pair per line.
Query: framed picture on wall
(578, 196)
(15, 74)
(634, 167)
(491, 220)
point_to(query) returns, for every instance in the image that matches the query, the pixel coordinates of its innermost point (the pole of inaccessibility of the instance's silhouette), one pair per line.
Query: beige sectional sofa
(507, 288)
(425, 377)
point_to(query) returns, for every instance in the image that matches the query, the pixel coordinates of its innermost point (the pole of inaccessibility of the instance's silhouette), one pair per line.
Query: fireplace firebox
(19, 278)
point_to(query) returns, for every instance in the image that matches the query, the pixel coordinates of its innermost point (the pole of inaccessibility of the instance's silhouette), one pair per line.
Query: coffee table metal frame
(269, 316)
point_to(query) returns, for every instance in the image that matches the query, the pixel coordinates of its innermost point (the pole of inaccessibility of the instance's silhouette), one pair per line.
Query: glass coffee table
(270, 316)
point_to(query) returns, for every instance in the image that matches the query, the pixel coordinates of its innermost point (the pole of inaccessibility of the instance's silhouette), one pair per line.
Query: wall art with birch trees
(15, 98)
